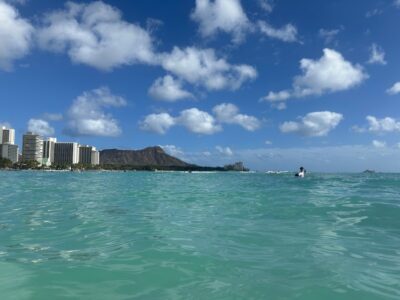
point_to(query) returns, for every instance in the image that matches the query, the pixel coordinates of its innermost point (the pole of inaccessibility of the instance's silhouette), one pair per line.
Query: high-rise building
(48, 151)
(88, 155)
(95, 157)
(9, 151)
(32, 147)
(66, 153)
(7, 136)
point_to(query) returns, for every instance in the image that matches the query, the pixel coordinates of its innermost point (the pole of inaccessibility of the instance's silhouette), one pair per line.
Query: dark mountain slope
(152, 156)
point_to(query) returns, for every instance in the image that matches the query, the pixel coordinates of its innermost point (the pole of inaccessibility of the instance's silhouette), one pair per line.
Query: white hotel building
(8, 149)
(50, 152)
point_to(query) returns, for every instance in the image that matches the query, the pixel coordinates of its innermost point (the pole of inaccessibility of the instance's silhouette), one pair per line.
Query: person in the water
(301, 173)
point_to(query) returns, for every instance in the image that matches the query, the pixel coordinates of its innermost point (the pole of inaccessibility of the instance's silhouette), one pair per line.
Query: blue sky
(276, 84)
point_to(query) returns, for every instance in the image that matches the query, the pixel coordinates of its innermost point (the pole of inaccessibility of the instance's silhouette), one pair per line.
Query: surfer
(301, 173)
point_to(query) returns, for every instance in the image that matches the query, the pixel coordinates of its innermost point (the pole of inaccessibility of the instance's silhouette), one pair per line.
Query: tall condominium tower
(88, 155)
(32, 147)
(66, 153)
(48, 151)
(7, 136)
(9, 151)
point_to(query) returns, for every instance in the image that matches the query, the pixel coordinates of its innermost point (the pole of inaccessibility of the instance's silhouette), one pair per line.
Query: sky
(274, 83)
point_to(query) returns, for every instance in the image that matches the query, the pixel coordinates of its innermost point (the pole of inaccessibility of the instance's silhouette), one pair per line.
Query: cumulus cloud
(15, 36)
(313, 124)
(202, 67)
(86, 116)
(201, 122)
(96, 35)
(224, 150)
(377, 55)
(221, 16)
(229, 113)
(378, 144)
(395, 89)
(331, 73)
(40, 127)
(168, 89)
(383, 125)
(157, 123)
(287, 33)
(198, 121)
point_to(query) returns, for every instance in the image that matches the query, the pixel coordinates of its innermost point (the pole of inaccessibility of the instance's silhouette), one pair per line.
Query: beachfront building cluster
(8, 149)
(48, 152)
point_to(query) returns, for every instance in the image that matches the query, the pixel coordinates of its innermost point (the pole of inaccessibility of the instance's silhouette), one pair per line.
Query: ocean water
(134, 235)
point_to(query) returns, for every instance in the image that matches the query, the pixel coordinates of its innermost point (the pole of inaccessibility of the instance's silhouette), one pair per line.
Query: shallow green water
(199, 236)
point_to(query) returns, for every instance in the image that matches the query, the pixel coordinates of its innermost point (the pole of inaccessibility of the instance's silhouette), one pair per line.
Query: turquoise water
(199, 236)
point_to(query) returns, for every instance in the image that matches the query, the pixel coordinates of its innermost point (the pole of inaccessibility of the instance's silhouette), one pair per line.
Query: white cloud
(287, 33)
(15, 36)
(174, 151)
(221, 16)
(229, 113)
(224, 151)
(86, 116)
(395, 89)
(313, 124)
(40, 127)
(266, 5)
(383, 125)
(168, 89)
(267, 142)
(193, 119)
(198, 121)
(202, 67)
(377, 55)
(157, 123)
(201, 122)
(397, 3)
(331, 73)
(328, 35)
(95, 34)
(378, 144)
(277, 99)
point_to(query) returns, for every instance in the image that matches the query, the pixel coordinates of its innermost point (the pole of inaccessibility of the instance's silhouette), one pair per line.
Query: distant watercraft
(369, 171)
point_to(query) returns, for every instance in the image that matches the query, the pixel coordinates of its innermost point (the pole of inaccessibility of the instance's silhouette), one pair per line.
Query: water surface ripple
(199, 236)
